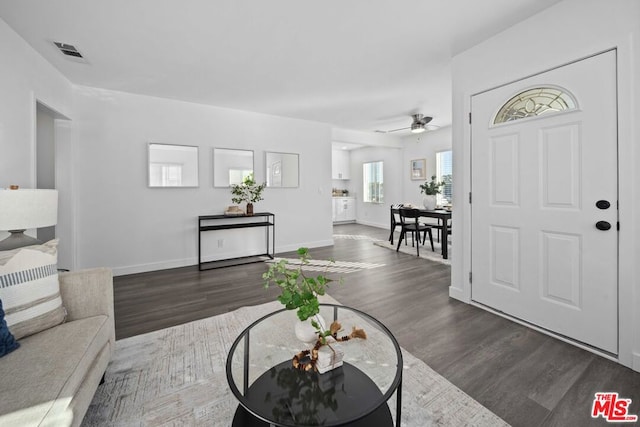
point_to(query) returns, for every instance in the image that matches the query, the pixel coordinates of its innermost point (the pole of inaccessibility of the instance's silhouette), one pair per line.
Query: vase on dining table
(429, 202)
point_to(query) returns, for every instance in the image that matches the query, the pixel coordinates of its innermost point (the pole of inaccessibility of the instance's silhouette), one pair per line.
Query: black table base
(379, 418)
(306, 398)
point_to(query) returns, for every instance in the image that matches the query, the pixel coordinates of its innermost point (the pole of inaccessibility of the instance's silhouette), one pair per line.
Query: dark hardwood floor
(525, 377)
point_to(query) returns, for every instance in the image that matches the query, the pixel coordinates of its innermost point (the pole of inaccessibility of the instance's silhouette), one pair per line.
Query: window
(534, 102)
(372, 182)
(444, 173)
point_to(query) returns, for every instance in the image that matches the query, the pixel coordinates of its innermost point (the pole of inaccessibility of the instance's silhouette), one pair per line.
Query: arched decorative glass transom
(535, 102)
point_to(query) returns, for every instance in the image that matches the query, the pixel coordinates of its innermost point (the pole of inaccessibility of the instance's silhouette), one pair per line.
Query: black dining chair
(395, 220)
(437, 224)
(409, 223)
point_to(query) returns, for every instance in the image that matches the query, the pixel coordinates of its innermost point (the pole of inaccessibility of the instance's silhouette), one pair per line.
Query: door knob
(603, 204)
(603, 225)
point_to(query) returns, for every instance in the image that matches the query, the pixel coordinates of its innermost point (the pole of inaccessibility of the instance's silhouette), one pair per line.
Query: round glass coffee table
(272, 392)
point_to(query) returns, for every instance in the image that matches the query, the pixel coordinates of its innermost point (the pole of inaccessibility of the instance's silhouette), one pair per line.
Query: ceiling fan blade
(392, 130)
(419, 121)
(396, 130)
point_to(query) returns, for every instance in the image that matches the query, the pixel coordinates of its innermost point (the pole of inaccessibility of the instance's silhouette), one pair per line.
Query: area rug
(176, 376)
(326, 266)
(425, 250)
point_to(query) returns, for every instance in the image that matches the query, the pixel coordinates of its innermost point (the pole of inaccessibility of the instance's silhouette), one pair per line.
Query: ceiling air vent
(69, 50)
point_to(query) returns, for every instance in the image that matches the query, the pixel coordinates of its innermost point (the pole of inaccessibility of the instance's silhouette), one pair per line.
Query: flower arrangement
(249, 191)
(298, 291)
(431, 188)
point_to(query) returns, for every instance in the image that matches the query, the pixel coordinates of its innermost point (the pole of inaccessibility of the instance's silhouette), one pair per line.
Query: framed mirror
(172, 165)
(231, 166)
(282, 169)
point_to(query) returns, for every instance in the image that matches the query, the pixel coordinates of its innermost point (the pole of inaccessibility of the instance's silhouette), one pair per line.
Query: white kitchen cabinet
(344, 209)
(350, 209)
(340, 164)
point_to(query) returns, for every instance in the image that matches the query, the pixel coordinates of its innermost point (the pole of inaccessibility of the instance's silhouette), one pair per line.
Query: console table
(225, 222)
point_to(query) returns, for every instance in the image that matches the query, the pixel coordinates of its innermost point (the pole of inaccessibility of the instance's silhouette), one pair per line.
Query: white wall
(377, 214)
(422, 146)
(366, 138)
(45, 149)
(577, 29)
(26, 79)
(125, 225)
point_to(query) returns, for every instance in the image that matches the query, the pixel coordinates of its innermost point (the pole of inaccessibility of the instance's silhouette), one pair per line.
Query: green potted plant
(249, 192)
(430, 189)
(300, 292)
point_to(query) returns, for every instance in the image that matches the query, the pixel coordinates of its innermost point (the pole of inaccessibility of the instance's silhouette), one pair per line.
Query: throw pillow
(30, 290)
(7, 341)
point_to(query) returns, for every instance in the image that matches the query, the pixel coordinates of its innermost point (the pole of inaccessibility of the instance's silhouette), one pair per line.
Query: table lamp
(24, 209)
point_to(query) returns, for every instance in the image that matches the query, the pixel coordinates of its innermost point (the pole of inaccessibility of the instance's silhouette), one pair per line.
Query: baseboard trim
(294, 247)
(165, 265)
(153, 266)
(458, 294)
(636, 362)
(372, 224)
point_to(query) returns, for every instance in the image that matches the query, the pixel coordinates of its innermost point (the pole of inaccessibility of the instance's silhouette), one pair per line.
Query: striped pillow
(30, 290)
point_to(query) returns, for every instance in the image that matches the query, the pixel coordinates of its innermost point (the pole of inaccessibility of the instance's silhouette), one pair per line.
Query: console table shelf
(262, 219)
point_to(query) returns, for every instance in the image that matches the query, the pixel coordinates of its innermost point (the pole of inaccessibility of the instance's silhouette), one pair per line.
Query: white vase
(305, 332)
(429, 202)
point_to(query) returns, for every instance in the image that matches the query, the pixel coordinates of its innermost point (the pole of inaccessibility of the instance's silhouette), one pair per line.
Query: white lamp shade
(24, 209)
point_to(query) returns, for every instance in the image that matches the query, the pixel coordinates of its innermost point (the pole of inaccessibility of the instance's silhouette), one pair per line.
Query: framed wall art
(418, 169)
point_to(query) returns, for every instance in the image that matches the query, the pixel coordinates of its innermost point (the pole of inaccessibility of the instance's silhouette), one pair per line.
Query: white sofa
(51, 378)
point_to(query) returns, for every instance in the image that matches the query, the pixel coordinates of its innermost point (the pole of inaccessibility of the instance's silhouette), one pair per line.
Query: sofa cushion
(7, 341)
(30, 290)
(40, 380)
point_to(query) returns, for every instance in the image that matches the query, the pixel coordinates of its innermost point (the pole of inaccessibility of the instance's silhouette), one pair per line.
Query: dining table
(445, 216)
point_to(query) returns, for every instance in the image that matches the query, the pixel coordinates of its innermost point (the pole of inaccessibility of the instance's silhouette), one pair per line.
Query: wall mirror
(282, 169)
(231, 166)
(173, 165)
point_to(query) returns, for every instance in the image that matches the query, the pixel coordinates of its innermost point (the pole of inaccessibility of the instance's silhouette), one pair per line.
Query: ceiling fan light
(417, 128)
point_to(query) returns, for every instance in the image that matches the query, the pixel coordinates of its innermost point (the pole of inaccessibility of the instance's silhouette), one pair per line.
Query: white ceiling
(356, 64)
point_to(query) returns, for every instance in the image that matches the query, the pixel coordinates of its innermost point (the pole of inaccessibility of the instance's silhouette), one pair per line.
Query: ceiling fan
(418, 125)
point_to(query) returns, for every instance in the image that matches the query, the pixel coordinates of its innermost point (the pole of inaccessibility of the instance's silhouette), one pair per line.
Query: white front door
(540, 185)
